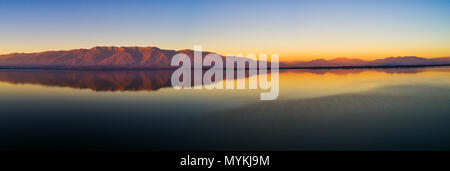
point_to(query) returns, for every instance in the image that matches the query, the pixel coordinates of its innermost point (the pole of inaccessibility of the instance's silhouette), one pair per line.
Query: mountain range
(351, 62)
(156, 58)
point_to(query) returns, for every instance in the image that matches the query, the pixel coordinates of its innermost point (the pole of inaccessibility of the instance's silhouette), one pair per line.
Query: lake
(317, 109)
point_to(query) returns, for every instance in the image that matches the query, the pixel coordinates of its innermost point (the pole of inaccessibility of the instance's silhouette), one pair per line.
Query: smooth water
(320, 109)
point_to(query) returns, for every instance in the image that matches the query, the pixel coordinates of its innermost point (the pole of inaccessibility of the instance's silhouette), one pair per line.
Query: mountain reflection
(94, 80)
(136, 80)
(400, 70)
(98, 80)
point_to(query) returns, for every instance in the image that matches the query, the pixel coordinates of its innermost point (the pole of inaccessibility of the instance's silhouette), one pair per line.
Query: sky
(295, 29)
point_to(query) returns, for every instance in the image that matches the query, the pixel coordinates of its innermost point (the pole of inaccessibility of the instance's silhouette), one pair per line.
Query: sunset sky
(297, 30)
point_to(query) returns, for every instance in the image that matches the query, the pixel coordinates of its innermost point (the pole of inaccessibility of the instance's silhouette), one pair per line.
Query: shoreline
(281, 68)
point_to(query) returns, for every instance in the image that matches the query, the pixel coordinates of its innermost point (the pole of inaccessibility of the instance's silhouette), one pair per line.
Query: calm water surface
(336, 109)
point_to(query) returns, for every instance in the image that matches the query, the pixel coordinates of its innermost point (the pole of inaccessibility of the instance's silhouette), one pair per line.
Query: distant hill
(337, 62)
(155, 58)
(348, 62)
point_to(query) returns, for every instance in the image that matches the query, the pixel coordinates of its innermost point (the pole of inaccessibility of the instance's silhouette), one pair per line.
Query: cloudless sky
(295, 29)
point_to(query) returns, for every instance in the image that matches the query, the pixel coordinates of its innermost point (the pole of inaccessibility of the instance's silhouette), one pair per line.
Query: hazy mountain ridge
(389, 61)
(156, 58)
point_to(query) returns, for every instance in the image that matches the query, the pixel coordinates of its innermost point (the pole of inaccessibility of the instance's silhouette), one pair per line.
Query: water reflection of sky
(155, 85)
(294, 84)
(317, 109)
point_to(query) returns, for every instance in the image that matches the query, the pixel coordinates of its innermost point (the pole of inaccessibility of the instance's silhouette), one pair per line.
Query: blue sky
(295, 29)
